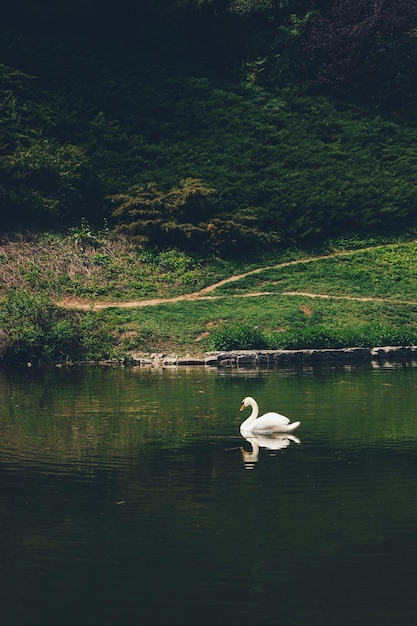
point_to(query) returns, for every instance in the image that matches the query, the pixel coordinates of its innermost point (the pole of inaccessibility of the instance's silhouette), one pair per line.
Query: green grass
(283, 321)
(230, 316)
(389, 272)
(228, 320)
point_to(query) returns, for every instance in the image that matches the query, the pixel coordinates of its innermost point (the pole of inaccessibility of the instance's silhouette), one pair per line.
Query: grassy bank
(357, 296)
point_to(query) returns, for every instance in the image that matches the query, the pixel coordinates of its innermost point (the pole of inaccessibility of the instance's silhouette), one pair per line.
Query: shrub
(95, 335)
(151, 216)
(239, 338)
(362, 336)
(313, 337)
(35, 329)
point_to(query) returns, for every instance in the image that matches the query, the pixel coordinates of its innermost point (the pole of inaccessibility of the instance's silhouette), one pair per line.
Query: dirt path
(78, 303)
(354, 298)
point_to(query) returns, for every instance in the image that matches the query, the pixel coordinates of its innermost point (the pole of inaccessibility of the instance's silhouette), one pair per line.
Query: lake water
(126, 498)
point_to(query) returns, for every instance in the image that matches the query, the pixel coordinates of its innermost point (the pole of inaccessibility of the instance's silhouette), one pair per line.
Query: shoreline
(248, 359)
(275, 358)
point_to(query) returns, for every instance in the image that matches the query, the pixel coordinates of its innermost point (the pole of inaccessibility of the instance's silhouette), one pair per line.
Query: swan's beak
(242, 406)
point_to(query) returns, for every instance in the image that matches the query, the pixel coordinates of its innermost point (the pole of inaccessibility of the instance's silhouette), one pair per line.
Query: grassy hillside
(371, 301)
(157, 155)
(357, 297)
(87, 124)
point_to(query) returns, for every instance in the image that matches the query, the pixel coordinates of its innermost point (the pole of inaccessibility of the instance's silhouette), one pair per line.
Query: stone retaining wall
(275, 358)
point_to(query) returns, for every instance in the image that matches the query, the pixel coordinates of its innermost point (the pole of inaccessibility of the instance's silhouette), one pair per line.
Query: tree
(173, 218)
(185, 217)
(363, 46)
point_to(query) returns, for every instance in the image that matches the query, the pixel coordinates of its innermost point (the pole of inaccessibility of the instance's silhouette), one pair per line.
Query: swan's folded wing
(272, 419)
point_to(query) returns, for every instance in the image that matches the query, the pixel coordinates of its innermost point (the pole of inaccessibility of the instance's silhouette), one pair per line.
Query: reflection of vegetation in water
(101, 411)
(69, 411)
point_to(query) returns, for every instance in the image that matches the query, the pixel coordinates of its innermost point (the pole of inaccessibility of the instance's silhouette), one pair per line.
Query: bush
(239, 338)
(35, 329)
(150, 216)
(363, 336)
(313, 337)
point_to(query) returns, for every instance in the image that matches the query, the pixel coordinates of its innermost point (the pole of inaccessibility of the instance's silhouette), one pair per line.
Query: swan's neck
(252, 417)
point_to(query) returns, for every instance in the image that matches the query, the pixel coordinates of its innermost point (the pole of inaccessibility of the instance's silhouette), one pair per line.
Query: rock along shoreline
(277, 358)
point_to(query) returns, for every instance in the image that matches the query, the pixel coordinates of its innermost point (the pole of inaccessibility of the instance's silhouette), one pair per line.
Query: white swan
(268, 423)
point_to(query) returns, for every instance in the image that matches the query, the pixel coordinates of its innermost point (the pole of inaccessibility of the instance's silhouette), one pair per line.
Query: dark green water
(125, 500)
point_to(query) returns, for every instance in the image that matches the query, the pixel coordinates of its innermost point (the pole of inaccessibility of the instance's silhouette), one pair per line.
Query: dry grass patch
(87, 266)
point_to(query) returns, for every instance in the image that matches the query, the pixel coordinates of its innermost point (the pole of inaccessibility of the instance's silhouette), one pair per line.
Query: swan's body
(268, 423)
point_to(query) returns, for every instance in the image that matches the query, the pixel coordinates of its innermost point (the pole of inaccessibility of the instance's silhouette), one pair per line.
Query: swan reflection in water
(272, 441)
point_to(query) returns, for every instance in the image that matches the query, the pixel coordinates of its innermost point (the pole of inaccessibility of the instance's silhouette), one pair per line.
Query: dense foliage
(364, 47)
(315, 337)
(209, 124)
(34, 329)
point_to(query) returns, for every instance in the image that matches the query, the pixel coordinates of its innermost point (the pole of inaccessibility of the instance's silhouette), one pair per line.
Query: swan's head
(246, 402)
